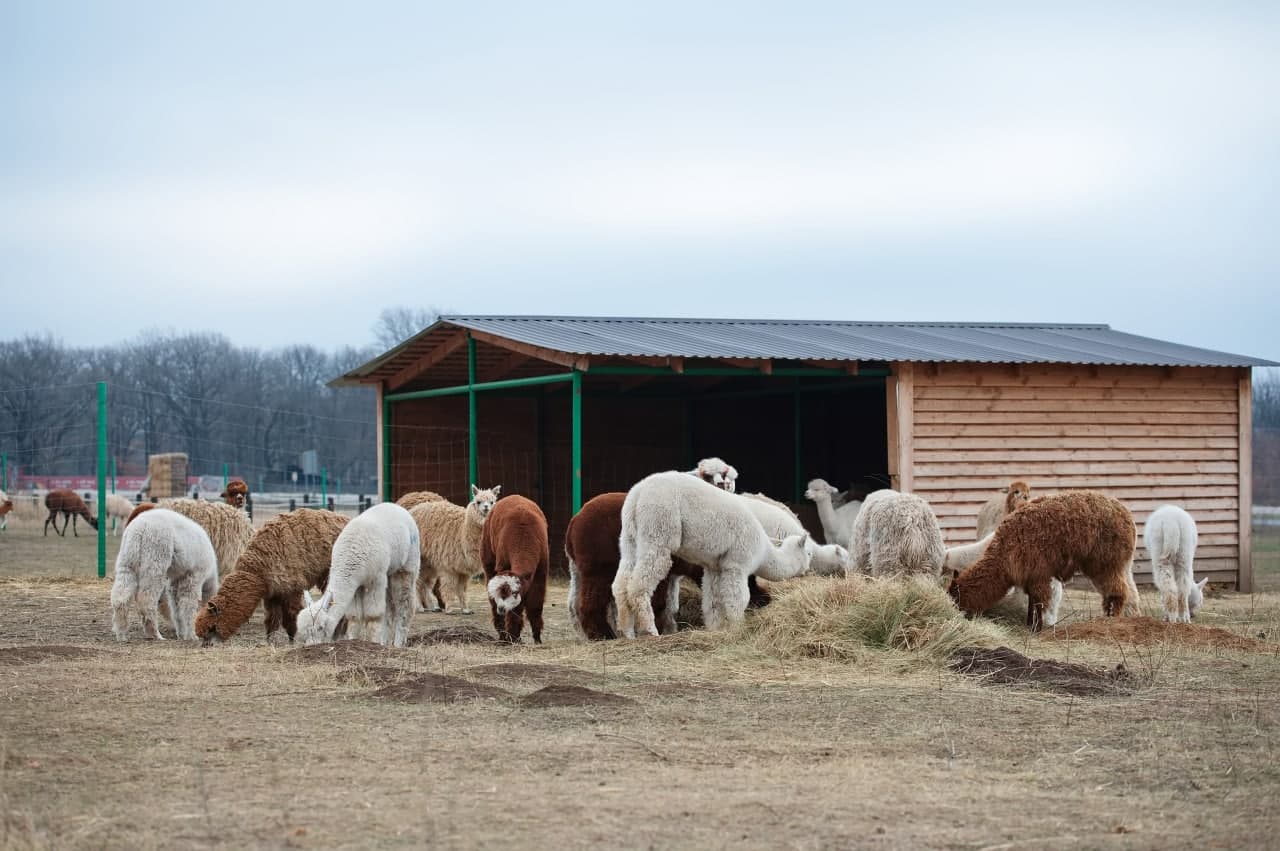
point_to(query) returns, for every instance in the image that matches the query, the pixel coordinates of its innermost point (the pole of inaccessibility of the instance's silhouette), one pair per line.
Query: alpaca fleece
(69, 504)
(994, 510)
(139, 509)
(591, 545)
(162, 554)
(958, 558)
(288, 555)
(837, 522)
(229, 528)
(1170, 537)
(118, 508)
(1051, 538)
(672, 514)
(372, 573)
(516, 557)
(897, 534)
(450, 536)
(413, 498)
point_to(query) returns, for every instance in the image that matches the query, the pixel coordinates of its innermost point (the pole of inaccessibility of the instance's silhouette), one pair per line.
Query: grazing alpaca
(669, 515)
(371, 580)
(70, 506)
(959, 558)
(289, 554)
(1170, 538)
(1051, 538)
(715, 471)
(6, 505)
(994, 510)
(897, 533)
(118, 509)
(451, 543)
(591, 545)
(516, 557)
(837, 522)
(162, 554)
(779, 522)
(236, 494)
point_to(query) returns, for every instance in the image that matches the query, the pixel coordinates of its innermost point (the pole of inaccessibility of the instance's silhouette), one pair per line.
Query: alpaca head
(207, 624)
(828, 559)
(504, 590)
(1195, 597)
(797, 549)
(819, 491)
(1017, 495)
(715, 471)
(483, 500)
(316, 622)
(236, 494)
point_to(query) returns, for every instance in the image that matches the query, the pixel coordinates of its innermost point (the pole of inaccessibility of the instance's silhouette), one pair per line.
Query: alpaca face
(1018, 495)
(236, 494)
(316, 623)
(1195, 597)
(483, 500)
(715, 471)
(504, 590)
(207, 624)
(819, 490)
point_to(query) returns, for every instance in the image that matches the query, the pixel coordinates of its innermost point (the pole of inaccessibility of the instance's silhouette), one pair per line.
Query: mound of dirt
(436, 688)
(41, 652)
(566, 695)
(1004, 666)
(1145, 630)
(460, 634)
(515, 670)
(374, 674)
(343, 653)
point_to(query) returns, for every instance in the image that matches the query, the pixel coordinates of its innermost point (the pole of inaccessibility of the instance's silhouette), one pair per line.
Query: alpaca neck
(237, 599)
(981, 586)
(472, 530)
(827, 516)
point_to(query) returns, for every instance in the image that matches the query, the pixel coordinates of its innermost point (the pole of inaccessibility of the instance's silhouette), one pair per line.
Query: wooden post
(1244, 580)
(891, 417)
(901, 402)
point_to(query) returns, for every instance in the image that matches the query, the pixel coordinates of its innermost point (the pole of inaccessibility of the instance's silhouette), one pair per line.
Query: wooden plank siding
(1146, 435)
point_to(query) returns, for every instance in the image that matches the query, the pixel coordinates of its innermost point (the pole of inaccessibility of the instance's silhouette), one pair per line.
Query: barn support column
(795, 440)
(473, 453)
(577, 440)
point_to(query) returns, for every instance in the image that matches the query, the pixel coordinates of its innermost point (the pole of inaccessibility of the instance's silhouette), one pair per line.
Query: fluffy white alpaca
(118, 509)
(675, 514)
(779, 522)
(1170, 538)
(837, 521)
(715, 471)
(958, 558)
(897, 533)
(374, 569)
(162, 553)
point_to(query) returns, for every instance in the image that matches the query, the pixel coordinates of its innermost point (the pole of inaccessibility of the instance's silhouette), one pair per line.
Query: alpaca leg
(514, 623)
(1182, 582)
(626, 617)
(123, 591)
(668, 593)
(594, 602)
(1055, 602)
(1038, 593)
(46, 525)
(460, 583)
(426, 599)
(725, 595)
(575, 616)
(533, 601)
(184, 599)
(1133, 601)
(375, 610)
(652, 564)
(75, 529)
(499, 621)
(148, 600)
(400, 591)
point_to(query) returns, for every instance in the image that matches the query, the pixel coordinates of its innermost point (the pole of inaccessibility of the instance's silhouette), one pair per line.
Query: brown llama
(591, 544)
(236, 494)
(69, 504)
(994, 510)
(1050, 538)
(516, 558)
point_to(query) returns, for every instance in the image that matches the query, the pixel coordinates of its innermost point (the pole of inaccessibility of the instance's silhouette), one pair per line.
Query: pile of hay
(845, 619)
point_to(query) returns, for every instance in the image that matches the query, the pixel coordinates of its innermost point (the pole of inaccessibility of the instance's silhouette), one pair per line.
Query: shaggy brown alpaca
(516, 558)
(287, 556)
(591, 543)
(70, 506)
(994, 510)
(1052, 537)
(138, 509)
(236, 494)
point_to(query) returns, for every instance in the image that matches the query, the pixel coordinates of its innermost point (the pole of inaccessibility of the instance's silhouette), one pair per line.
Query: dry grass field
(744, 740)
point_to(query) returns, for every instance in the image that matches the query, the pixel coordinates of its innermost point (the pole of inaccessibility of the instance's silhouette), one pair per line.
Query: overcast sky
(280, 172)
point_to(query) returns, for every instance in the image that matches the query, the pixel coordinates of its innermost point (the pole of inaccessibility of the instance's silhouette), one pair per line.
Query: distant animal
(69, 504)
(236, 494)
(118, 508)
(6, 505)
(516, 557)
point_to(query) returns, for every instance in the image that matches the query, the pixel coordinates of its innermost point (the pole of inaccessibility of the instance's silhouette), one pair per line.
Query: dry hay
(30, 653)
(373, 674)
(460, 634)
(1002, 666)
(1147, 630)
(353, 652)
(844, 619)
(570, 695)
(516, 670)
(436, 688)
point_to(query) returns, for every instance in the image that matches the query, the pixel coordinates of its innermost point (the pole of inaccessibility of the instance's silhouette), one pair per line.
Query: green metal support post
(224, 476)
(102, 479)
(473, 469)
(577, 441)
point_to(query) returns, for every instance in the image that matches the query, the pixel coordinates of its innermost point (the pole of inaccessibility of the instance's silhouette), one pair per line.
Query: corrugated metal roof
(860, 341)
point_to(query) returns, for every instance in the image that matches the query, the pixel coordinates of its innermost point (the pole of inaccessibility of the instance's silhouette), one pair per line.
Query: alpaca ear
(497, 489)
(1202, 583)
(213, 609)
(474, 490)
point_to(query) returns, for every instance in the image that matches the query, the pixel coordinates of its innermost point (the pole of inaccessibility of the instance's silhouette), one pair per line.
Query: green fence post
(102, 479)
(224, 476)
(577, 441)
(473, 469)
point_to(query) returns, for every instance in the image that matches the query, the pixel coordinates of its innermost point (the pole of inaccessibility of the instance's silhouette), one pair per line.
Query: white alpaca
(779, 522)
(958, 558)
(674, 514)
(837, 521)
(118, 509)
(1170, 538)
(714, 471)
(374, 569)
(897, 533)
(162, 553)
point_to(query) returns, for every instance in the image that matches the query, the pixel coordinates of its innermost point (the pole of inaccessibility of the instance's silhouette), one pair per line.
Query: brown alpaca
(591, 544)
(1049, 538)
(236, 494)
(288, 555)
(70, 506)
(994, 510)
(516, 558)
(141, 507)
(6, 505)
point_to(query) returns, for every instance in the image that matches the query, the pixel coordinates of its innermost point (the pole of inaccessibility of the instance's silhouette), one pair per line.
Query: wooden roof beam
(565, 359)
(428, 360)
(504, 366)
(764, 365)
(849, 366)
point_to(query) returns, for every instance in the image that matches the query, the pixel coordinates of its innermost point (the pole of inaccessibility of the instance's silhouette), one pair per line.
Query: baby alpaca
(1170, 538)
(162, 553)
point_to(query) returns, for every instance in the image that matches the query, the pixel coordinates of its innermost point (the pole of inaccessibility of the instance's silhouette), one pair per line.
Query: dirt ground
(691, 741)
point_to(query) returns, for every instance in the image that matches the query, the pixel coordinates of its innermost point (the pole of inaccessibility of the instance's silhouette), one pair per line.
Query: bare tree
(397, 324)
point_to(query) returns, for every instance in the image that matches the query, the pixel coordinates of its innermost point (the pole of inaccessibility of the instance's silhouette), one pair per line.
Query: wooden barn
(562, 408)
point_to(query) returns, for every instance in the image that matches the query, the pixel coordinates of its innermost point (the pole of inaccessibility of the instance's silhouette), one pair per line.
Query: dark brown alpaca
(70, 506)
(591, 543)
(236, 494)
(1052, 537)
(516, 558)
